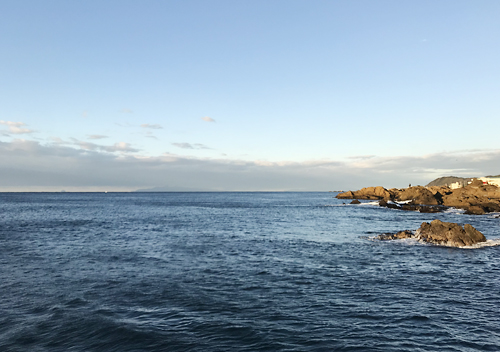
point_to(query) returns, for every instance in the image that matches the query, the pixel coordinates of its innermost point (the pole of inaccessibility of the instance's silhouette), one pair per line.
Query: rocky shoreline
(476, 198)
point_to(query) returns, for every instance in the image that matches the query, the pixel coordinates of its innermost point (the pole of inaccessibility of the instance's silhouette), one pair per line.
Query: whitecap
(454, 211)
(370, 203)
(401, 202)
(489, 243)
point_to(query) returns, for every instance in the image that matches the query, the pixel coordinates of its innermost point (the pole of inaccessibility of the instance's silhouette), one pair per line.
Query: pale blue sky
(286, 83)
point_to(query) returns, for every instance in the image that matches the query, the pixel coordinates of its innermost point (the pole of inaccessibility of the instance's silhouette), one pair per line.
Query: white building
(491, 180)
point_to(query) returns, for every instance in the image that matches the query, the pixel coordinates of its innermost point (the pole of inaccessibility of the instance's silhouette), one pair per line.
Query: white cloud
(190, 146)
(96, 136)
(208, 119)
(16, 127)
(154, 127)
(126, 111)
(362, 157)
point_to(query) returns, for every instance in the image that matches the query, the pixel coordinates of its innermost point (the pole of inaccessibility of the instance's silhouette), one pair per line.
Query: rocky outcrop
(372, 193)
(449, 234)
(441, 233)
(476, 198)
(419, 195)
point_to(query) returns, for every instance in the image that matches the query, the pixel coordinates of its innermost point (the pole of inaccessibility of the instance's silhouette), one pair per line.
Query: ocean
(237, 272)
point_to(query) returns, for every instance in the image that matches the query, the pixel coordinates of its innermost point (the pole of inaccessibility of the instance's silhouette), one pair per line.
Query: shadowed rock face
(441, 233)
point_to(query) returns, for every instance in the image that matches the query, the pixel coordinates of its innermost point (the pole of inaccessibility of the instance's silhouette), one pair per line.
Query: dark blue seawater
(237, 272)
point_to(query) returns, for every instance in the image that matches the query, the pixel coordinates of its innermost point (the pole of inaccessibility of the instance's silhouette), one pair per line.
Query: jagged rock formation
(441, 233)
(475, 198)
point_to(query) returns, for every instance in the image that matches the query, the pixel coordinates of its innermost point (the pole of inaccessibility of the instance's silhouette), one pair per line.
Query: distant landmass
(170, 189)
(447, 180)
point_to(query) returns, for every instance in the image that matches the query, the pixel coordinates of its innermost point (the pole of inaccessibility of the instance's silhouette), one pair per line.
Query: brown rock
(355, 201)
(449, 234)
(440, 189)
(475, 210)
(346, 195)
(473, 197)
(419, 195)
(372, 193)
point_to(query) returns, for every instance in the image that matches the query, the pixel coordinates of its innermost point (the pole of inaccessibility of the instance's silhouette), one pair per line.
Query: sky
(279, 95)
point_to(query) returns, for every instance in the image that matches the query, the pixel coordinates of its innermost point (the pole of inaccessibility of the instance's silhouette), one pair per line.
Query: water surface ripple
(236, 272)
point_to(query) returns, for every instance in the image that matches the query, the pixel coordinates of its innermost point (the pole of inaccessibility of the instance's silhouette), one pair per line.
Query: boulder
(449, 234)
(355, 201)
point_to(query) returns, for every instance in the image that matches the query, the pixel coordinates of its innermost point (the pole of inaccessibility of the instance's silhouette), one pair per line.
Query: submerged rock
(440, 233)
(396, 236)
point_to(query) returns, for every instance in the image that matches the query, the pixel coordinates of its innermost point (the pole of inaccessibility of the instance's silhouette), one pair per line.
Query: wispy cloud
(126, 111)
(190, 146)
(96, 136)
(153, 127)
(208, 119)
(57, 140)
(117, 147)
(121, 147)
(362, 157)
(16, 127)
